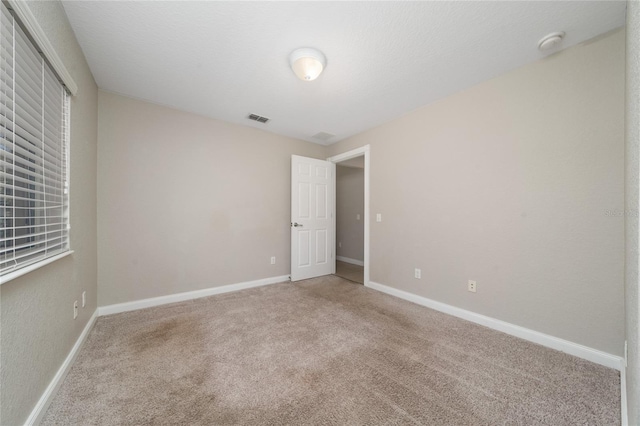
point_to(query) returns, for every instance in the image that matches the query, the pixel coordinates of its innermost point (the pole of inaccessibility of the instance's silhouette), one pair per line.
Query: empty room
(310, 212)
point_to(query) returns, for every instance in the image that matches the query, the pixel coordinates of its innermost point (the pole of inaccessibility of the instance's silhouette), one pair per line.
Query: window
(34, 153)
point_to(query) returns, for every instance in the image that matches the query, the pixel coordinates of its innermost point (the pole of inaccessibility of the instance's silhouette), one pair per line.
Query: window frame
(53, 72)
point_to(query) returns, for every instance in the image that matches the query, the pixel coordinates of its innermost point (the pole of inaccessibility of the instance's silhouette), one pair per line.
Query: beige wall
(632, 298)
(38, 329)
(187, 202)
(349, 204)
(508, 183)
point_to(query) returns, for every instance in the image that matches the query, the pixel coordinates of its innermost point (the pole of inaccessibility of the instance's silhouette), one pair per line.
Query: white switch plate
(84, 298)
(418, 273)
(358, 216)
(340, 244)
(75, 309)
(472, 286)
(273, 260)
(379, 217)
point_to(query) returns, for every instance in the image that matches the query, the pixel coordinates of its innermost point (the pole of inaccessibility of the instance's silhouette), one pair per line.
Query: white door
(312, 217)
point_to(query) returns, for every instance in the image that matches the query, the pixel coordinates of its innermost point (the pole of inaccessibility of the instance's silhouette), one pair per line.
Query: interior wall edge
(632, 209)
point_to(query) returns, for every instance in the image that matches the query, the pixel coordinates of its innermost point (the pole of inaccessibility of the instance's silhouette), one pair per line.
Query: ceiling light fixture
(550, 41)
(307, 63)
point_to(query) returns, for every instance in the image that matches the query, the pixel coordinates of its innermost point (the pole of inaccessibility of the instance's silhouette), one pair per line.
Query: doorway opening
(352, 214)
(350, 219)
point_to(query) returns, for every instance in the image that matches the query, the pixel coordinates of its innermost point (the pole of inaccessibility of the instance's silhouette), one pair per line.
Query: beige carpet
(322, 351)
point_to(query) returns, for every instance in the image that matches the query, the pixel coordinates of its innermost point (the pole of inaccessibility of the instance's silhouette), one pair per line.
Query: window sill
(20, 272)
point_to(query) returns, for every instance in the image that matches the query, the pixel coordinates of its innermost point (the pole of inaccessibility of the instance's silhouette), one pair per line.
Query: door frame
(366, 151)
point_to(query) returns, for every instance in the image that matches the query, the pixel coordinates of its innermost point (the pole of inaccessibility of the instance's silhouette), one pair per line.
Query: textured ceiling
(384, 59)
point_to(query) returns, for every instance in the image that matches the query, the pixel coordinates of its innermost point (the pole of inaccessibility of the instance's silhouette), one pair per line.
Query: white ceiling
(384, 59)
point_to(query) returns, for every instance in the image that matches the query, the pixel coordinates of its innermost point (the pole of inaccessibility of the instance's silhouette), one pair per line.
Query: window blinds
(34, 140)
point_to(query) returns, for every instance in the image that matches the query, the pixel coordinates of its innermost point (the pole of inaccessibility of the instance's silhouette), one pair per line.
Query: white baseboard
(575, 349)
(349, 260)
(43, 403)
(180, 297)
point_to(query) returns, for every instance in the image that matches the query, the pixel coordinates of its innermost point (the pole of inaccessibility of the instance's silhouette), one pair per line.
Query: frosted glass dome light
(307, 63)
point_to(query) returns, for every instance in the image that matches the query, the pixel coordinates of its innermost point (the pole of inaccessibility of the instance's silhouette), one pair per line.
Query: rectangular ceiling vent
(323, 136)
(258, 118)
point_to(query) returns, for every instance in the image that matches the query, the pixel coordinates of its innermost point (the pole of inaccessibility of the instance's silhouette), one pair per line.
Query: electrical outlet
(358, 216)
(472, 286)
(379, 217)
(273, 260)
(418, 273)
(75, 309)
(340, 244)
(84, 298)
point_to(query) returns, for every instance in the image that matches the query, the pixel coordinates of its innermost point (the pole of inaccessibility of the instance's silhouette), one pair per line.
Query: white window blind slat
(38, 217)
(28, 153)
(30, 164)
(28, 83)
(52, 143)
(28, 72)
(24, 167)
(52, 198)
(26, 100)
(29, 88)
(52, 131)
(34, 137)
(50, 91)
(29, 259)
(5, 29)
(39, 252)
(6, 65)
(20, 249)
(27, 122)
(23, 45)
(38, 226)
(50, 120)
(22, 42)
(54, 233)
(19, 198)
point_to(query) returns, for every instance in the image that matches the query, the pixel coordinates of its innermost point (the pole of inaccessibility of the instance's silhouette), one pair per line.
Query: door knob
(297, 224)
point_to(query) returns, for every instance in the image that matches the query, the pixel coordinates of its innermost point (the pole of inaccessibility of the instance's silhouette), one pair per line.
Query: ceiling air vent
(323, 136)
(258, 118)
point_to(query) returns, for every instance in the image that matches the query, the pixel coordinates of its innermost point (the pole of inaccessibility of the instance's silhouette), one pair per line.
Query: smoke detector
(550, 41)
